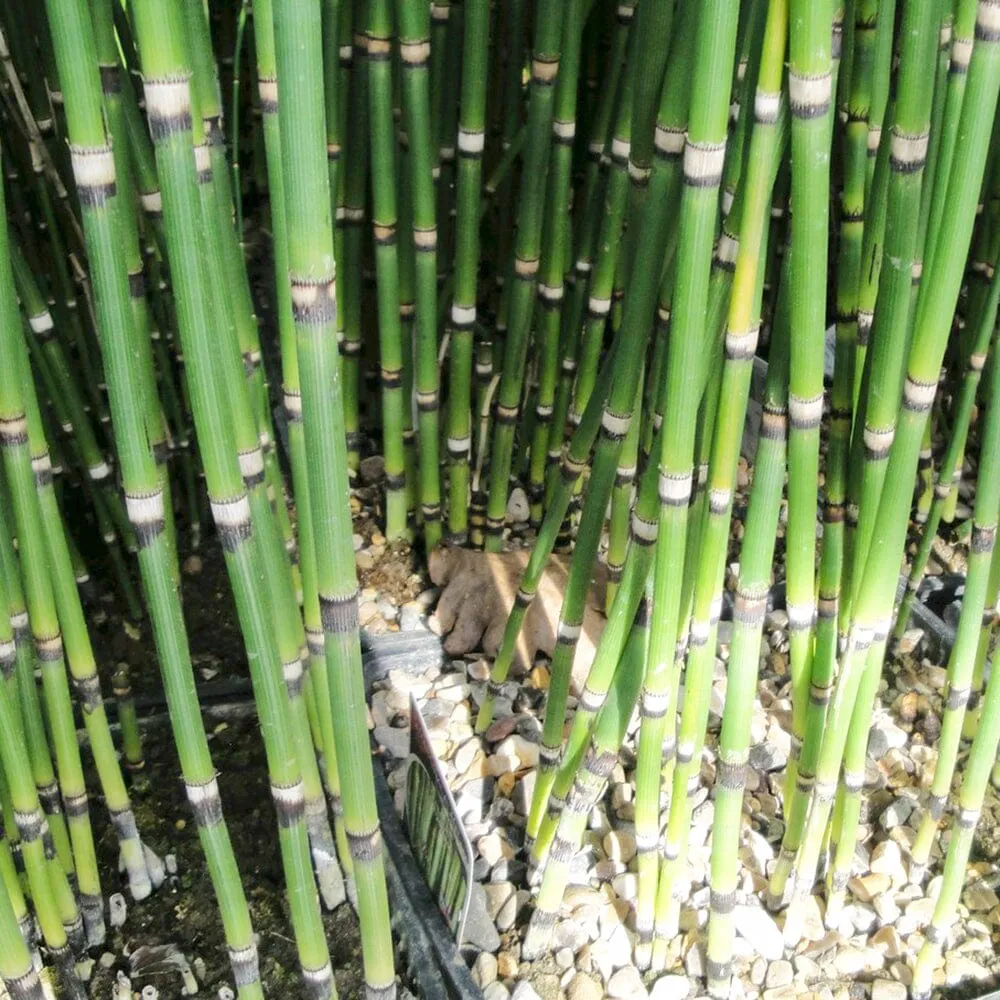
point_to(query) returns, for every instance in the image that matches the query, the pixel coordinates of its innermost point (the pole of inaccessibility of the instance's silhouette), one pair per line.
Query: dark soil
(183, 911)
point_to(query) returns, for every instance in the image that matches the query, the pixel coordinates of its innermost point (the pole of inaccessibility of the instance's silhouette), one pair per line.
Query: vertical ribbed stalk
(471, 144)
(30, 705)
(544, 69)
(984, 745)
(312, 279)
(756, 556)
(704, 154)
(810, 99)
(160, 32)
(961, 660)
(935, 308)
(555, 253)
(960, 418)
(414, 48)
(144, 497)
(589, 782)
(573, 464)
(46, 878)
(384, 226)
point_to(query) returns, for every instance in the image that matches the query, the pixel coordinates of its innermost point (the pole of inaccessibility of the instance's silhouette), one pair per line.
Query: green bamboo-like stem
(132, 755)
(30, 706)
(704, 153)
(984, 652)
(115, 109)
(966, 818)
(725, 392)
(160, 32)
(589, 210)
(544, 69)
(355, 186)
(600, 287)
(962, 37)
(849, 284)
(744, 653)
(622, 498)
(961, 661)
(554, 260)
(471, 144)
(414, 41)
(16, 967)
(874, 422)
(249, 431)
(961, 416)
(74, 420)
(29, 819)
(312, 279)
(330, 878)
(876, 591)
(384, 226)
(810, 82)
(144, 493)
(589, 781)
(58, 916)
(573, 465)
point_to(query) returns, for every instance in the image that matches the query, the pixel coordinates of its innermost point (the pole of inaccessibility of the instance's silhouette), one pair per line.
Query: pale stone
(584, 987)
(779, 974)
(626, 984)
(888, 989)
(758, 928)
(887, 859)
(484, 970)
(507, 967)
(979, 897)
(672, 987)
(619, 845)
(866, 887)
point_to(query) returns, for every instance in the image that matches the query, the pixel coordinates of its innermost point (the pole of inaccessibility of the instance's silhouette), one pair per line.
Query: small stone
(779, 974)
(518, 509)
(887, 859)
(396, 741)
(888, 989)
(759, 930)
(497, 894)
(372, 469)
(506, 965)
(867, 887)
(619, 845)
(524, 991)
(979, 897)
(192, 565)
(584, 987)
(670, 988)
(896, 813)
(525, 750)
(910, 640)
(885, 735)
(367, 612)
(626, 984)
(852, 961)
(478, 670)
(496, 991)
(564, 958)
(170, 863)
(358, 542)
(888, 941)
(539, 678)
(524, 792)
(484, 970)
(364, 561)
(569, 934)
(117, 910)
(767, 757)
